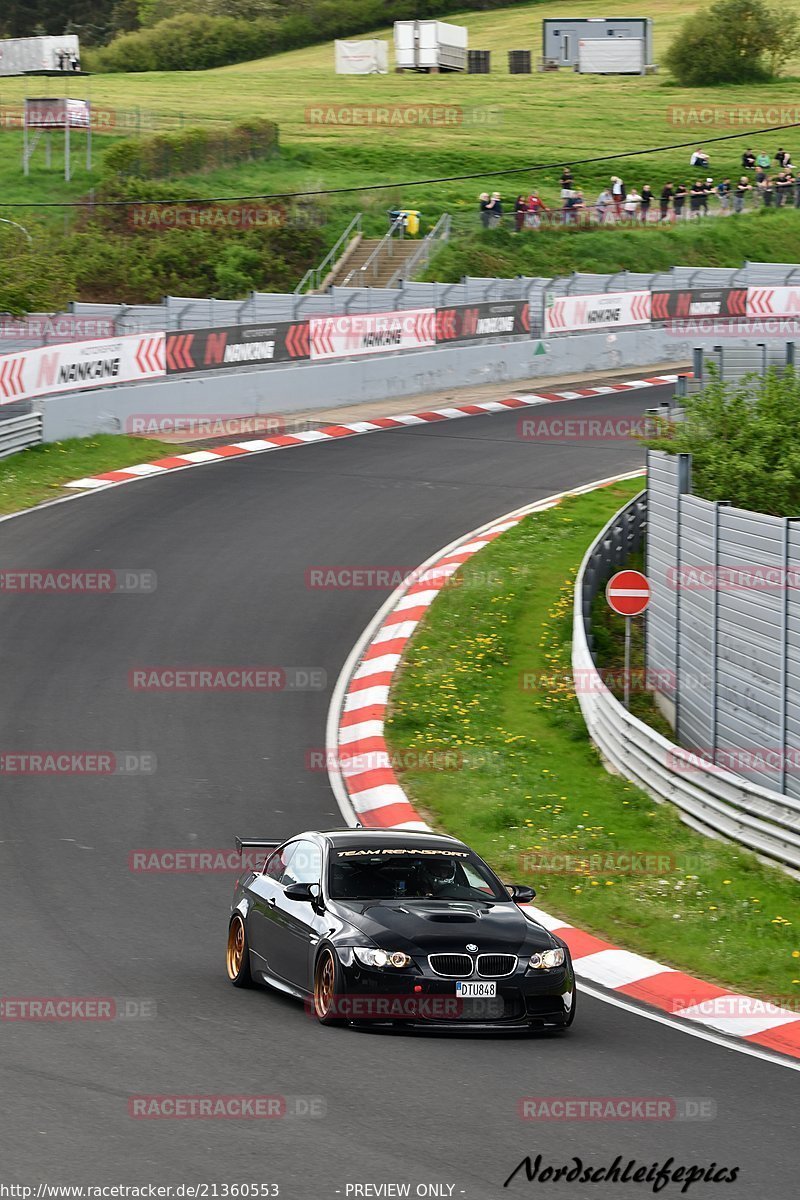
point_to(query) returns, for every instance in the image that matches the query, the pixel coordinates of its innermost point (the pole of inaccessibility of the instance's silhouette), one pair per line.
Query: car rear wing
(256, 844)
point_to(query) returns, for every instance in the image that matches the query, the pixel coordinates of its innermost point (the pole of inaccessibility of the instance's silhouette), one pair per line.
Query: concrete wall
(299, 386)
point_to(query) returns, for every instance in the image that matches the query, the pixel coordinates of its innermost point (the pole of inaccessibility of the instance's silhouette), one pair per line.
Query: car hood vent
(452, 918)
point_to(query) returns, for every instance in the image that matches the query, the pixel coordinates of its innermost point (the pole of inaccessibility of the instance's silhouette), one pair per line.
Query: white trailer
(430, 46)
(616, 56)
(18, 55)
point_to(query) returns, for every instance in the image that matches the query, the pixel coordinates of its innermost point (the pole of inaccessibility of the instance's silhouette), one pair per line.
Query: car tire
(327, 987)
(237, 958)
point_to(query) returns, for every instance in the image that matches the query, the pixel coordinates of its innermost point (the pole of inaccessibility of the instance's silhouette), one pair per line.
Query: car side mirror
(309, 892)
(520, 893)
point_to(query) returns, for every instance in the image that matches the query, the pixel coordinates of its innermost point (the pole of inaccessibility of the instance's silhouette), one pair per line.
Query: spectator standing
(748, 160)
(483, 208)
(603, 205)
(681, 192)
(708, 188)
(631, 205)
(73, 62)
(536, 207)
(740, 193)
(797, 191)
(647, 200)
(763, 163)
(724, 195)
(520, 213)
(618, 194)
(767, 189)
(695, 198)
(667, 192)
(495, 210)
(783, 188)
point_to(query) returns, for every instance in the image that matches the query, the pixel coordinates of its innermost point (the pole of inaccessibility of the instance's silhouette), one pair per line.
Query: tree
(733, 41)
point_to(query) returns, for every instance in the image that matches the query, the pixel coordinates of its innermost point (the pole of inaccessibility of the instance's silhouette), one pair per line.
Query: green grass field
(510, 120)
(486, 686)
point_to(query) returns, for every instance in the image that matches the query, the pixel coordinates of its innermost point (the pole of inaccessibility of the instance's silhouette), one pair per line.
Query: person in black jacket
(748, 160)
(681, 192)
(647, 200)
(740, 192)
(782, 157)
(667, 192)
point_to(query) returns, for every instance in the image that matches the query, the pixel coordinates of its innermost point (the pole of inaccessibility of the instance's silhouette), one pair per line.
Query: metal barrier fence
(186, 312)
(710, 799)
(19, 433)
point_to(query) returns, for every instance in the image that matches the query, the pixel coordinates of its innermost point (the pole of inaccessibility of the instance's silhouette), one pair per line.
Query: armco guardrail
(710, 799)
(19, 433)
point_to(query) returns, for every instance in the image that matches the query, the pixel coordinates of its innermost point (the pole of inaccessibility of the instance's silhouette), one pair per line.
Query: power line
(413, 183)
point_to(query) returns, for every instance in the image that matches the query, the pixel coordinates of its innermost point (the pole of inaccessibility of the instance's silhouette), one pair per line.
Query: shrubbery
(733, 41)
(190, 150)
(744, 440)
(193, 36)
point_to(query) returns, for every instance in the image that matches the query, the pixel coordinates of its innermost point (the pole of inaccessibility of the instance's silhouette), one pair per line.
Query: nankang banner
(72, 366)
(472, 322)
(373, 333)
(564, 314)
(699, 302)
(236, 346)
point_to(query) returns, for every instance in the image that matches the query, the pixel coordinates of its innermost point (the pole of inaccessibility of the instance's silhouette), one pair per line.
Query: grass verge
(486, 683)
(40, 473)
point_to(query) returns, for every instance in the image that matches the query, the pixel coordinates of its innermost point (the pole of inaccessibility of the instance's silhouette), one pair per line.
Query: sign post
(628, 593)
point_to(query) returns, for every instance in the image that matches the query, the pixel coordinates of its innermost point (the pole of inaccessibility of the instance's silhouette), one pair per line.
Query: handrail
(440, 232)
(398, 225)
(317, 274)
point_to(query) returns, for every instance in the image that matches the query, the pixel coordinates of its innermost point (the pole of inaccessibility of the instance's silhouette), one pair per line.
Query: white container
(362, 58)
(430, 46)
(18, 55)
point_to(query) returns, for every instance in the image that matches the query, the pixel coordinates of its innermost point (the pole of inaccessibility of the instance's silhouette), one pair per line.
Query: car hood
(434, 926)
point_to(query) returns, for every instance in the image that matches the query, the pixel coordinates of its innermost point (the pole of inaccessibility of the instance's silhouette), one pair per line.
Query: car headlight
(547, 959)
(370, 957)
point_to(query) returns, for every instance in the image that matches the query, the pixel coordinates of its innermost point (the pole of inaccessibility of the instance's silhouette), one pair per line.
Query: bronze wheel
(325, 989)
(237, 958)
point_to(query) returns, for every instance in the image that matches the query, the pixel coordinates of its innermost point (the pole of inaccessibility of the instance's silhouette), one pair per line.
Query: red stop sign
(628, 593)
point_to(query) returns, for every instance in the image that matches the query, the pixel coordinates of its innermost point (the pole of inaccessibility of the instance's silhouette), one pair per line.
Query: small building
(561, 36)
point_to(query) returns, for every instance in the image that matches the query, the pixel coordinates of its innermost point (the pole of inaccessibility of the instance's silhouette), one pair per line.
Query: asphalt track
(231, 544)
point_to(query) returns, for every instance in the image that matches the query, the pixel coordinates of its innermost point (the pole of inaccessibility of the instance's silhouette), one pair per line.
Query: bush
(191, 150)
(744, 441)
(193, 37)
(186, 43)
(733, 41)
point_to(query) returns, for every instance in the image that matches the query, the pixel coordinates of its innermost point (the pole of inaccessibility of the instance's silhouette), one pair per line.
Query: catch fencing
(692, 300)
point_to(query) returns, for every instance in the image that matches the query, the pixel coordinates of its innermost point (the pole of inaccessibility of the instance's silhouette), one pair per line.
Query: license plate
(475, 988)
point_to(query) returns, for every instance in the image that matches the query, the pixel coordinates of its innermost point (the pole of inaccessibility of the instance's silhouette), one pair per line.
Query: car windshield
(410, 874)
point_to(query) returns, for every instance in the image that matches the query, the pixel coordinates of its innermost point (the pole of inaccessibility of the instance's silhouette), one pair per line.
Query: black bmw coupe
(397, 928)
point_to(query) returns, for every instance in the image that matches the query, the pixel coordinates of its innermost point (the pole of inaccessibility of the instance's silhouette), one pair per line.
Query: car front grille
(493, 965)
(455, 966)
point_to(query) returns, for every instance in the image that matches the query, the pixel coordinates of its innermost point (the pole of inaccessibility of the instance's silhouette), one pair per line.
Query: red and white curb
(327, 433)
(368, 793)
